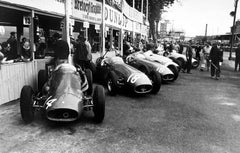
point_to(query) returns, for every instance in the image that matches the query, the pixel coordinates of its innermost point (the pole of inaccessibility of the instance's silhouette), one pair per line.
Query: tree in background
(156, 8)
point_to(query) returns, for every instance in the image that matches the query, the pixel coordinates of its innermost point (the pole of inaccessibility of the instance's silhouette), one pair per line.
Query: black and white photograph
(119, 76)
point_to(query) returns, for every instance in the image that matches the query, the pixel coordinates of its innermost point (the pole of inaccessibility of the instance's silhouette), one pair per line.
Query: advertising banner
(87, 10)
(132, 13)
(127, 24)
(113, 17)
(51, 6)
(137, 27)
(117, 4)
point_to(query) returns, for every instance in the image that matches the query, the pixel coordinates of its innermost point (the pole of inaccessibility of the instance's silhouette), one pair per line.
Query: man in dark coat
(13, 54)
(215, 58)
(237, 59)
(83, 55)
(60, 48)
(189, 54)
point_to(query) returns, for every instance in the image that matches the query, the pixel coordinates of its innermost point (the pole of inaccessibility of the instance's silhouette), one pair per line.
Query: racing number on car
(133, 78)
(49, 103)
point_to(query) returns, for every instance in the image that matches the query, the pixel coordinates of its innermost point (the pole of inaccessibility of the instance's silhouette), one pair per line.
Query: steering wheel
(129, 59)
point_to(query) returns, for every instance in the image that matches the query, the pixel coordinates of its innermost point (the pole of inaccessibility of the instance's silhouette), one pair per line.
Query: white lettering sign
(113, 17)
(88, 10)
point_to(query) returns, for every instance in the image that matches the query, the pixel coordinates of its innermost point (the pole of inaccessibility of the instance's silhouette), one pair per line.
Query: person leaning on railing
(5, 56)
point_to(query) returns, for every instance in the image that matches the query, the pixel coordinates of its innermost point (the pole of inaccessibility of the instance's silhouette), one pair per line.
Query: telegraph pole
(233, 29)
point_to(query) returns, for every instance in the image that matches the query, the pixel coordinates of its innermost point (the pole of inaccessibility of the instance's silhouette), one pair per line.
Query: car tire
(182, 62)
(42, 79)
(175, 71)
(177, 62)
(156, 79)
(195, 64)
(144, 69)
(112, 83)
(26, 104)
(89, 76)
(99, 103)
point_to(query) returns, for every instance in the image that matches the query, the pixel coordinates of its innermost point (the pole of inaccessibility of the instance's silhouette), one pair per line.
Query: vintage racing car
(174, 67)
(115, 74)
(139, 61)
(63, 96)
(181, 58)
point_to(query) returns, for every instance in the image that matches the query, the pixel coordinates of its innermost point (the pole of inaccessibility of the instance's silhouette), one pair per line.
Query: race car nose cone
(67, 107)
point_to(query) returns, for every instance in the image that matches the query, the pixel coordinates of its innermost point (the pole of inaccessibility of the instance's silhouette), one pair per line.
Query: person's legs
(236, 64)
(217, 70)
(189, 65)
(212, 71)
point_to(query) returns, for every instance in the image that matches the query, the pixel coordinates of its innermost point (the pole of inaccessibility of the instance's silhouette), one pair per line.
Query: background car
(115, 74)
(174, 67)
(139, 61)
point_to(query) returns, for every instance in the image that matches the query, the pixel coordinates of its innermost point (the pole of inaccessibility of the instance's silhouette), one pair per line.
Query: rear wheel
(99, 104)
(88, 73)
(112, 83)
(156, 81)
(144, 69)
(26, 104)
(182, 62)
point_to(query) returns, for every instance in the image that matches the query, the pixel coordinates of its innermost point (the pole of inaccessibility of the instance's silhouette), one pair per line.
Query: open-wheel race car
(139, 61)
(180, 59)
(63, 95)
(115, 74)
(174, 67)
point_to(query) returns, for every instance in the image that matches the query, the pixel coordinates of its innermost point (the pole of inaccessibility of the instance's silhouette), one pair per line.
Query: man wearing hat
(13, 44)
(215, 58)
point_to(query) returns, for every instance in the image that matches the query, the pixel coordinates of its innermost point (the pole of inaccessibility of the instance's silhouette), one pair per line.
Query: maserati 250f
(113, 72)
(63, 96)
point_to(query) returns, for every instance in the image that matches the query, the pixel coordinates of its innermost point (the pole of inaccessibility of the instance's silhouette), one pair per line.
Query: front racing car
(64, 96)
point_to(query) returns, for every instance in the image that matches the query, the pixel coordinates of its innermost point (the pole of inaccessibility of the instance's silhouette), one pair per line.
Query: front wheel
(99, 104)
(90, 81)
(112, 83)
(26, 104)
(156, 81)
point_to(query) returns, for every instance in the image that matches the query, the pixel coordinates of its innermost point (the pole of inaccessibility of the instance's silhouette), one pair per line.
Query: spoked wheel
(26, 104)
(90, 81)
(99, 103)
(156, 81)
(112, 83)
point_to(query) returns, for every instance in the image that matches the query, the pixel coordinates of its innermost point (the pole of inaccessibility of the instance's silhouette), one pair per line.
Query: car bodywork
(181, 58)
(139, 61)
(113, 72)
(64, 96)
(174, 67)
